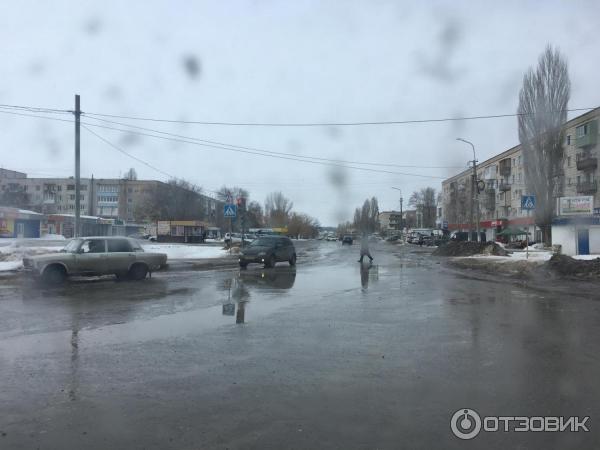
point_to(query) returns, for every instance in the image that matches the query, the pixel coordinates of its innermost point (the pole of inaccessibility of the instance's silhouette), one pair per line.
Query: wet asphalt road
(331, 354)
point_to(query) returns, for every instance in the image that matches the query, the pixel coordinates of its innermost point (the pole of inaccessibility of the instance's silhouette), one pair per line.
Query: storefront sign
(7, 228)
(572, 206)
(163, 228)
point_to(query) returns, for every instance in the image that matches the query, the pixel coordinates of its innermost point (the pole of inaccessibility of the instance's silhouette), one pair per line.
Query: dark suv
(269, 250)
(347, 240)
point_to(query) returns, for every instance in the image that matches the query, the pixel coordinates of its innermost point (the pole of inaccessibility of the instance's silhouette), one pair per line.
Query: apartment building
(124, 200)
(44, 195)
(502, 183)
(390, 221)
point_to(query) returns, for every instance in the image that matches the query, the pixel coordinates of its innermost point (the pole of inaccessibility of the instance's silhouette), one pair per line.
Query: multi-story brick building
(121, 199)
(390, 221)
(504, 183)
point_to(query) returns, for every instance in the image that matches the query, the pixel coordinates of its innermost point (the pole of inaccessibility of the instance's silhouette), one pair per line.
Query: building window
(82, 197)
(519, 160)
(582, 130)
(568, 139)
(70, 187)
(569, 181)
(568, 161)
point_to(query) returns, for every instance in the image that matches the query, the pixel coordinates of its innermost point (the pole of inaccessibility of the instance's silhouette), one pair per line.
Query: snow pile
(11, 256)
(53, 237)
(183, 251)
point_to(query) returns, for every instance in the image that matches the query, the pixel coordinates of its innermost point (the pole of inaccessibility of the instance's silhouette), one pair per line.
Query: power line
(191, 141)
(147, 164)
(272, 152)
(327, 124)
(36, 109)
(106, 141)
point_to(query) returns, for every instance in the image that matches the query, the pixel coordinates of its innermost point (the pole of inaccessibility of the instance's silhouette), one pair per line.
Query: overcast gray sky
(281, 61)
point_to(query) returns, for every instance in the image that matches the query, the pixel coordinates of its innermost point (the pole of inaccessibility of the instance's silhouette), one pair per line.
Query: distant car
(91, 256)
(269, 250)
(141, 236)
(347, 240)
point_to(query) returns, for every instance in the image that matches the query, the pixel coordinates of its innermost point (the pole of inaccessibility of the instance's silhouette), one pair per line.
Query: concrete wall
(566, 236)
(594, 240)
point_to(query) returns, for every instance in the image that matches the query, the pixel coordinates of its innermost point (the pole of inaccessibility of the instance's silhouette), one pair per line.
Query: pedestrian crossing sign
(230, 210)
(528, 202)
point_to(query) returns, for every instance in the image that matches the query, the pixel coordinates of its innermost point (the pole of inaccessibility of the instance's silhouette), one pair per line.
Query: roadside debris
(466, 248)
(570, 267)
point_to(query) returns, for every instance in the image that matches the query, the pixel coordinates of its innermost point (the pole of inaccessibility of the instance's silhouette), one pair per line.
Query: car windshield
(300, 224)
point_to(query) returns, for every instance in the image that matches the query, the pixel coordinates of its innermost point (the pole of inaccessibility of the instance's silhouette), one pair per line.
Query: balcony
(504, 186)
(586, 161)
(505, 168)
(587, 134)
(490, 202)
(587, 187)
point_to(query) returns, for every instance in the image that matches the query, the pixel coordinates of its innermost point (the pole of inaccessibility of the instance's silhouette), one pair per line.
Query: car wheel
(54, 275)
(271, 261)
(138, 272)
(293, 260)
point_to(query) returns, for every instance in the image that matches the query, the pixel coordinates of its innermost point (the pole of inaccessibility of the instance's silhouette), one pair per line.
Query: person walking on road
(364, 248)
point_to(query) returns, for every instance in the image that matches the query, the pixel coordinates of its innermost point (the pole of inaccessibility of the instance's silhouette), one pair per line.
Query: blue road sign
(445, 225)
(230, 210)
(528, 201)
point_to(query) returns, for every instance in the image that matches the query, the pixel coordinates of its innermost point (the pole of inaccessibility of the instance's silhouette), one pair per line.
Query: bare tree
(254, 215)
(232, 191)
(175, 200)
(425, 203)
(543, 101)
(277, 209)
(366, 217)
(303, 226)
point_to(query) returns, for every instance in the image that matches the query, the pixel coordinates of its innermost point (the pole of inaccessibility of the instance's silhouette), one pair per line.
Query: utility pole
(474, 193)
(77, 166)
(401, 216)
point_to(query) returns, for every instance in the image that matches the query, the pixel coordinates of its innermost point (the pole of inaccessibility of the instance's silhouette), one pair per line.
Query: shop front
(18, 223)
(577, 228)
(182, 231)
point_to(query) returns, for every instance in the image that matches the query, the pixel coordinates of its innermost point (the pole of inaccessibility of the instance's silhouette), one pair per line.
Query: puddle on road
(178, 305)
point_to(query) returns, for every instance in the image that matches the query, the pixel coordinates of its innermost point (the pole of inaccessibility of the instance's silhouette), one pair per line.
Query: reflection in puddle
(368, 272)
(239, 292)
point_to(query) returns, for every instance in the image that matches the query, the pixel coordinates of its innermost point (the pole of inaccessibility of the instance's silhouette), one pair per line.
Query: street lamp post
(474, 191)
(401, 216)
